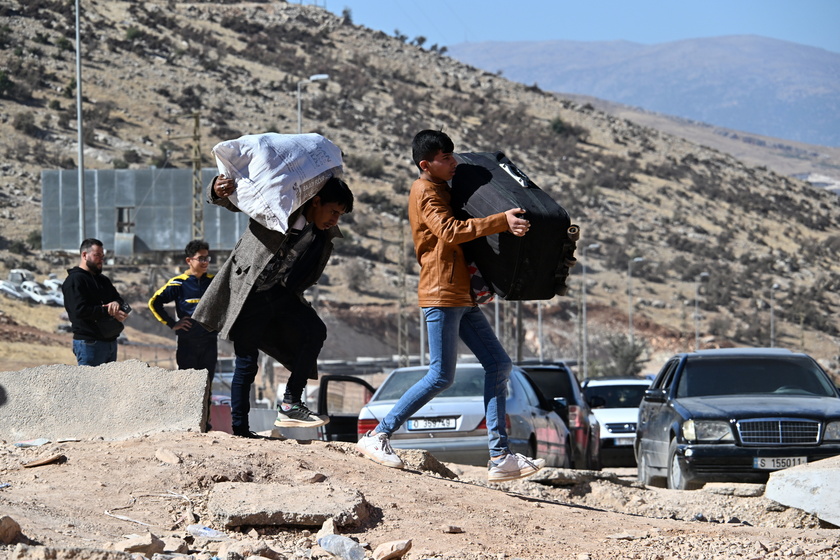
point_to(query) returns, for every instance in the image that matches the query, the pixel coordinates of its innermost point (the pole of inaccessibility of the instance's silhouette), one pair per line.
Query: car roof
(538, 362)
(460, 365)
(600, 382)
(751, 352)
(544, 366)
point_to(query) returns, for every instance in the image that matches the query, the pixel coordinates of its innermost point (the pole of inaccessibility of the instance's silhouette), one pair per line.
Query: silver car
(453, 427)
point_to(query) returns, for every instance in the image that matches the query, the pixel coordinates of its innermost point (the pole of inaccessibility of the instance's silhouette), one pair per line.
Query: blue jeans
(445, 326)
(94, 352)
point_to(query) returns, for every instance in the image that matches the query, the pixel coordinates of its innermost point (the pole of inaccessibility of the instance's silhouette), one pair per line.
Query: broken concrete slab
(113, 401)
(571, 477)
(25, 552)
(9, 530)
(392, 550)
(812, 488)
(237, 504)
(739, 489)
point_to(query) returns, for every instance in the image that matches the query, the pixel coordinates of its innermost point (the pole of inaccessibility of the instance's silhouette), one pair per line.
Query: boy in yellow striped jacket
(197, 347)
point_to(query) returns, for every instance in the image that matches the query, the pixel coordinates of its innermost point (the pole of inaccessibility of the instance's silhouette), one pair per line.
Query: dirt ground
(102, 492)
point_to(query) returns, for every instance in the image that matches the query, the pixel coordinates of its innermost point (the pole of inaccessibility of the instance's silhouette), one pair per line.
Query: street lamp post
(630, 294)
(697, 281)
(773, 289)
(585, 352)
(79, 129)
(312, 78)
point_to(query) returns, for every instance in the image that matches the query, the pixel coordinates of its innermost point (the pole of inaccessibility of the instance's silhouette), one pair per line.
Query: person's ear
(424, 165)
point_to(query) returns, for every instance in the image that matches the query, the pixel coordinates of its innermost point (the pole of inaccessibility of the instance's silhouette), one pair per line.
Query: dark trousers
(303, 340)
(197, 353)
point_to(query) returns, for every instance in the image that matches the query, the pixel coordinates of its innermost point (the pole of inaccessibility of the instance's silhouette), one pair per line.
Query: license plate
(624, 441)
(431, 424)
(775, 463)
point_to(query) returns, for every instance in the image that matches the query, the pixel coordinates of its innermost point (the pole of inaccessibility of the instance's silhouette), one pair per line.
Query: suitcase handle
(513, 171)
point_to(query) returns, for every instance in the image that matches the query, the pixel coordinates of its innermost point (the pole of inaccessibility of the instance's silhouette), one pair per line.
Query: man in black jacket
(95, 308)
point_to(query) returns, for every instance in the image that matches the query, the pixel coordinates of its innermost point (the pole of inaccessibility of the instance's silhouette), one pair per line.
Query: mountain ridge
(744, 82)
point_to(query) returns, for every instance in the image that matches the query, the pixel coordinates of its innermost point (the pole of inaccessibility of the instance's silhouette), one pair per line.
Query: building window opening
(125, 219)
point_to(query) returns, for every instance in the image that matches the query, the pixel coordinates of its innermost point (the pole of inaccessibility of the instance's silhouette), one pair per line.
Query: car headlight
(832, 431)
(707, 430)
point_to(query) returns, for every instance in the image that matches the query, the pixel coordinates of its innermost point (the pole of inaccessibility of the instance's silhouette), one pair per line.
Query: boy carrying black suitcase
(450, 310)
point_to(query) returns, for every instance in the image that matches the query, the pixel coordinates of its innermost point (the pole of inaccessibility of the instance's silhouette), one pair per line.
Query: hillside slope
(636, 192)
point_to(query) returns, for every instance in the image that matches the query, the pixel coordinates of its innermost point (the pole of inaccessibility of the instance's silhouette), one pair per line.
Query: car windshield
(553, 382)
(617, 396)
(714, 376)
(469, 382)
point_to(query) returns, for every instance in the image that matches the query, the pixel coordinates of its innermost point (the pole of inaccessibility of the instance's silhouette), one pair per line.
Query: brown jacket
(444, 278)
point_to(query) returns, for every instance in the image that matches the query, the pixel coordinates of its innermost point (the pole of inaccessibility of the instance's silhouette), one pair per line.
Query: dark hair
(336, 190)
(427, 144)
(88, 243)
(195, 246)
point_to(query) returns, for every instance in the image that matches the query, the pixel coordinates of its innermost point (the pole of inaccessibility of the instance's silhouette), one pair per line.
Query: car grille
(784, 431)
(622, 428)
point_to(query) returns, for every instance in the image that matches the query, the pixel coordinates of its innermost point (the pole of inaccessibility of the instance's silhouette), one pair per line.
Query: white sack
(276, 173)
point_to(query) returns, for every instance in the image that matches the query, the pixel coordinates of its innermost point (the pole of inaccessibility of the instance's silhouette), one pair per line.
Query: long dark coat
(222, 302)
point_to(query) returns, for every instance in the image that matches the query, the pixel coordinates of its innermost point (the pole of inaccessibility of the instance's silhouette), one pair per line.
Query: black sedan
(735, 415)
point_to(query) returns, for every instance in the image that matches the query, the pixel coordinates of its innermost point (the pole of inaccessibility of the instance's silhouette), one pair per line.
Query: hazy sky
(449, 22)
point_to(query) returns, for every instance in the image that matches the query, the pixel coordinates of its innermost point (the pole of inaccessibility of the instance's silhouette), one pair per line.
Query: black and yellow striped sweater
(186, 291)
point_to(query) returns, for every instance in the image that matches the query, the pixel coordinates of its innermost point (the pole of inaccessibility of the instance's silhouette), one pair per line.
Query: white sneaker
(513, 467)
(378, 448)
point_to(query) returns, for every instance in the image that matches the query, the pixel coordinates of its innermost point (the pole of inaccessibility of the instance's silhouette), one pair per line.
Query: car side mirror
(561, 405)
(596, 401)
(655, 395)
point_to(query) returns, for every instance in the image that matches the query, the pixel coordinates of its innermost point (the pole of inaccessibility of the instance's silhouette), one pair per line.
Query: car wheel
(594, 459)
(676, 474)
(567, 460)
(642, 471)
(644, 474)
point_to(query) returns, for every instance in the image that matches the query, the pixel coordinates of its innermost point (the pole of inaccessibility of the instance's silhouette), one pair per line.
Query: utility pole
(80, 129)
(402, 322)
(198, 188)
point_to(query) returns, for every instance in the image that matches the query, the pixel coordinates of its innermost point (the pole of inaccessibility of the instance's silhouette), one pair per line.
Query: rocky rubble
(231, 498)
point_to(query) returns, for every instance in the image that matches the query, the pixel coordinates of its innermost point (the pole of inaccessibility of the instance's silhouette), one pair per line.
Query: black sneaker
(297, 415)
(247, 434)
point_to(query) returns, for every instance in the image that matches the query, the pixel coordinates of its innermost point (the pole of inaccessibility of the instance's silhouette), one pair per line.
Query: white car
(11, 290)
(19, 275)
(53, 284)
(36, 293)
(615, 402)
(58, 297)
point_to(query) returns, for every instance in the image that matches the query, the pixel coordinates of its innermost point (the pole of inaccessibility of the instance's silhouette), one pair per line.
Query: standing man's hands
(224, 187)
(182, 325)
(114, 311)
(516, 225)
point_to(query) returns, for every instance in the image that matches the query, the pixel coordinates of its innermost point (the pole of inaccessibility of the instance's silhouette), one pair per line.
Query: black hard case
(532, 267)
